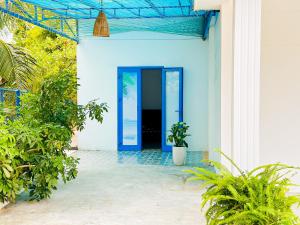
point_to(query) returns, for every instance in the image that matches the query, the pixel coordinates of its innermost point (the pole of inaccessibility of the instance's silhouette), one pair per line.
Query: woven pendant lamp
(101, 28)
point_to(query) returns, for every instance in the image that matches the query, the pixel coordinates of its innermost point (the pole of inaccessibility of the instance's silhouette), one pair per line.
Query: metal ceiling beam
(59, 11)
(124, 7)
(112, 13)
(208, 17)
(154, 8)
(37, 23)
(64, 4)
(20, 7)
(93, 6)
(180, 5)
(63, 11)
(123, 17)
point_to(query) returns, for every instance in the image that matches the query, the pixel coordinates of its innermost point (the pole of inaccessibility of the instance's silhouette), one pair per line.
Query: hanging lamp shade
(101, 28)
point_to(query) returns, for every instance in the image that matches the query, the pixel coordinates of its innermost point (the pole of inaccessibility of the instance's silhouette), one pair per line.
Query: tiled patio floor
(117, 189)
(153, 157)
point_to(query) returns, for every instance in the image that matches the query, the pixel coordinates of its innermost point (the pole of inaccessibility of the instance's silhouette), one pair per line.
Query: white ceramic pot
(179, 154)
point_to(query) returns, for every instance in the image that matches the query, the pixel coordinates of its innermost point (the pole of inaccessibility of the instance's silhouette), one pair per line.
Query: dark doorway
(151, 108)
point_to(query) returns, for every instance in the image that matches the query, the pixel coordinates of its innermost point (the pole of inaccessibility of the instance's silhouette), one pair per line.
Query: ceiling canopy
(75, 18)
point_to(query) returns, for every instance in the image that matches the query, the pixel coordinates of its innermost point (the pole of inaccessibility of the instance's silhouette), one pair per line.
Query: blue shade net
(179, 26)
(166, 16)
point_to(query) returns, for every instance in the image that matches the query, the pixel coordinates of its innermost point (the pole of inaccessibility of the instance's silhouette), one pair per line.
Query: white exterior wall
(227, 22)
(214, 90)
(280, 82)
(98, 60)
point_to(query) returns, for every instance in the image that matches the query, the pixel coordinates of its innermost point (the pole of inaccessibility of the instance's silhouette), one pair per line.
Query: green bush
(179, 134)
(258, 197)
(10, 184)
(32, 147)
(54, 103)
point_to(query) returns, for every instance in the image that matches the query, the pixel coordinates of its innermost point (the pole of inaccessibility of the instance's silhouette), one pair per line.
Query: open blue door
(129, 109)
(172, 102)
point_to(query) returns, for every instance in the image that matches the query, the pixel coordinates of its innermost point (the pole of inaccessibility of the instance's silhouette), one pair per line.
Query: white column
(227, 13)
(246, 83)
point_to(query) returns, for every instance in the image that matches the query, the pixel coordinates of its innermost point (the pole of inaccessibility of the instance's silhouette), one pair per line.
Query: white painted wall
(98, 60)
(214, 89)
(280, 82)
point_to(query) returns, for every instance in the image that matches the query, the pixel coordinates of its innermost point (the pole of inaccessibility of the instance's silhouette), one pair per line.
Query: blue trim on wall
(38, 23)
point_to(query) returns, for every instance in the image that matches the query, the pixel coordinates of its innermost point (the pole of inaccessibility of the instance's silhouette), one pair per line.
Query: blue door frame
(165, 146)
(138, 71)
(121, 146)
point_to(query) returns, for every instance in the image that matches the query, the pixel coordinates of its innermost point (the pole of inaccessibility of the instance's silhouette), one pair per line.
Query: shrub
(32, 147)
(179, 134)
(54, 103)
(253, 198)
(10, 184)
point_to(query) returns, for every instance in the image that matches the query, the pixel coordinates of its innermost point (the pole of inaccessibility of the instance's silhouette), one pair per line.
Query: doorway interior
(151, 109)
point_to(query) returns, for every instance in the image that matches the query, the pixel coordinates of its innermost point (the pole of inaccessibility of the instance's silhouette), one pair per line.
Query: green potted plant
(260, 196)
(178, 136)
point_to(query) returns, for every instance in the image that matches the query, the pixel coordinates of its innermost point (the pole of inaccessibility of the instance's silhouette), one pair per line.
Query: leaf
(257, 197)
(16, 65)
(8, 167)
(6, 172)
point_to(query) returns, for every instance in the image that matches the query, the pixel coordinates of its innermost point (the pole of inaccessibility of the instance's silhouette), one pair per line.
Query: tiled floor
(156, 157)
(126, 188)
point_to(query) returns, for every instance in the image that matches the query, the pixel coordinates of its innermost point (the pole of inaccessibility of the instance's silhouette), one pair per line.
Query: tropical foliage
(258, 197)
(53, 53)
(54, 104)
(32, 147)
(179, 134)
(35, 54)
(17, 66)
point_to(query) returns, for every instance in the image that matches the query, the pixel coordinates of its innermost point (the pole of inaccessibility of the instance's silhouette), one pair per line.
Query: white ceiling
(207, 4)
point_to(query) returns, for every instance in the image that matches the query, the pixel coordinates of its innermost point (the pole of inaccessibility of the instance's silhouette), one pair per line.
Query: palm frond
(16, 65)
(6, 21)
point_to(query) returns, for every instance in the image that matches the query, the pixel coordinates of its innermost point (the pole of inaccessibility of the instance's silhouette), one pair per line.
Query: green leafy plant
(17, 66)
(258, 197)
(179, 134)
(10, 184)
(33, 146)
(54, 103)
(53, 53)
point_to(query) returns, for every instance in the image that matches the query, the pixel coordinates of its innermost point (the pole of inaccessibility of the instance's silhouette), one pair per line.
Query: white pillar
(246, 83)
(227, 14)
